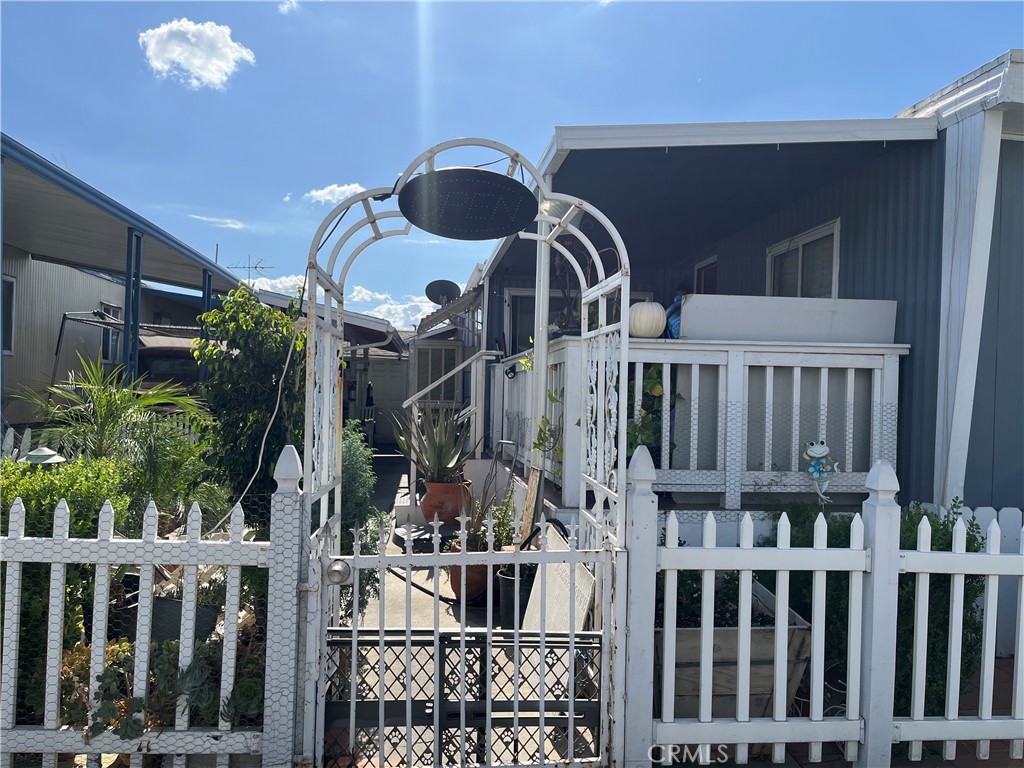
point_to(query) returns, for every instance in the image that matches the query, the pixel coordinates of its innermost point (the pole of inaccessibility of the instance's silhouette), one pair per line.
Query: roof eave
(566, 139)
(17, 152)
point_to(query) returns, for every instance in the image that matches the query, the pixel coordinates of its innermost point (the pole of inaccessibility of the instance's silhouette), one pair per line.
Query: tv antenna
(259, 267)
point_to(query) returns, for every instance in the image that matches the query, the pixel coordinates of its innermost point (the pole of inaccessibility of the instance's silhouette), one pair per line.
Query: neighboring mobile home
(55, 313)
(920, 214)
(61, 238)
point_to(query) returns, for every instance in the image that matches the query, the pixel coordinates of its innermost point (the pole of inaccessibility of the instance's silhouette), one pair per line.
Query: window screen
(785, 273)
(816, 268)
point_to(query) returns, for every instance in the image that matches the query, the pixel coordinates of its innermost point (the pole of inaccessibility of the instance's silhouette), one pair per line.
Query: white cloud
(287, 6)
(420, 241)
(363, 295)
(287, 198)
(405, 313)
(288, 285)
(334, 193)
(218, 222)
(196, 54)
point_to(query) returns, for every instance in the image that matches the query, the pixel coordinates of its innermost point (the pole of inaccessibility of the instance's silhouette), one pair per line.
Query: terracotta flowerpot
(476, 578)
(445, 501)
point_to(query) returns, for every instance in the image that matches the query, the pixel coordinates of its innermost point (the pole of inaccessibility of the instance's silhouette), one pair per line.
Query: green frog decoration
(823, 466)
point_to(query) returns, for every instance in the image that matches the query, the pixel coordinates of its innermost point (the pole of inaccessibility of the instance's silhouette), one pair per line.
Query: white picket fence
(618, 698)
(866, 726)
(106, 553)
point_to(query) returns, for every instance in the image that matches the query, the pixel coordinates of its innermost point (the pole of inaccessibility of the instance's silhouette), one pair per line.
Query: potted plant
(507, 592)
(438, 441)
(502, 518)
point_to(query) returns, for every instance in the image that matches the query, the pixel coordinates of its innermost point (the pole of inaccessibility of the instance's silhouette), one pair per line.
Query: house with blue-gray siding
(920, 214)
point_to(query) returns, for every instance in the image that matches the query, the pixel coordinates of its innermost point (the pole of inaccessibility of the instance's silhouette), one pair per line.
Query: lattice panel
(506, 691)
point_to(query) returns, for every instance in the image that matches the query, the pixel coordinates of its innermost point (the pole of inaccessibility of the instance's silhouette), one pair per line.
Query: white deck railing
(738, 413)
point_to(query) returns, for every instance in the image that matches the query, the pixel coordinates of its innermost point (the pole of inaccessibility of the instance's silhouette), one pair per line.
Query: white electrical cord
(280, 382)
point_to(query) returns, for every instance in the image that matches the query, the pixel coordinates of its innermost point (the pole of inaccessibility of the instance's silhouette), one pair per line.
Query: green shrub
(85, 485)
(200, 683)
(244, 353)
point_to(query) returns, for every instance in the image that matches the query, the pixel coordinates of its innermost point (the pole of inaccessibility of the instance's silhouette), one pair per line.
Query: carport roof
(57, 217)
(360, 330)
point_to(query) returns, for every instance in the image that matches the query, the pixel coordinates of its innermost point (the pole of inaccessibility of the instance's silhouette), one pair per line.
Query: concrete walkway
(393, 489)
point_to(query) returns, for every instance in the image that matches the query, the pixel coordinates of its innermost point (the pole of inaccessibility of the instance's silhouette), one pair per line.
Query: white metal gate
(397, 673)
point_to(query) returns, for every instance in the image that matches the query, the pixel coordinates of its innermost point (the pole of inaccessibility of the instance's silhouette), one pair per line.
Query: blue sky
(239, 135)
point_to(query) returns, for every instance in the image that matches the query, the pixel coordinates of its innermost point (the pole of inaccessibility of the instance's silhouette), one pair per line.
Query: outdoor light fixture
(510, 372)
(467, 203)
(43, 457)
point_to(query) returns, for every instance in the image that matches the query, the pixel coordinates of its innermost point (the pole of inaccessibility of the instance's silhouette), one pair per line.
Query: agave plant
(437, 440)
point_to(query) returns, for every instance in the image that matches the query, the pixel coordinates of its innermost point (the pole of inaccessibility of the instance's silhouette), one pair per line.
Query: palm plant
(95, 414)
(437, 441)
(159, 435)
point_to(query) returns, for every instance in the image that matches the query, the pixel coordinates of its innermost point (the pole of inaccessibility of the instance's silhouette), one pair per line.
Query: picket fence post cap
(288, 471)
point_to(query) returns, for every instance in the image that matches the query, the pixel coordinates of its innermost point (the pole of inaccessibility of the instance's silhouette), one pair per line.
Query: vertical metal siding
(996, 451)
(43, 293)
(890, 213)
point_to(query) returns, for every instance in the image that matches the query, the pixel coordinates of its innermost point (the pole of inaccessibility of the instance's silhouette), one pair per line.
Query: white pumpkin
(646, 320)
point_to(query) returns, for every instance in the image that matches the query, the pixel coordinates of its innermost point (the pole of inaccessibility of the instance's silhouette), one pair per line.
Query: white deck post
(288, 532)
(642, 554)
(881, 515)
(735, 428)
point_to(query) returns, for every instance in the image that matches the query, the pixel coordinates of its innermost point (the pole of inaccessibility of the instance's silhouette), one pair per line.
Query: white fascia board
(475, 277)
(368, 321)
(579, 137)
(1000, 81)
(1013, 86)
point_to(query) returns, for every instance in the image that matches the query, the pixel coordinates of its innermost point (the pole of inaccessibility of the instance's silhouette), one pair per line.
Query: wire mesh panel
(732, 419)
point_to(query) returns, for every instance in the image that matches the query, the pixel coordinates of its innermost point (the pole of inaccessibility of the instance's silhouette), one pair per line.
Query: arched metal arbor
(604, 321)
(604, 290)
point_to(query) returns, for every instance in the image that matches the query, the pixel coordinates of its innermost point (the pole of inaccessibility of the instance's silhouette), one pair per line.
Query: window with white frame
(806, 265)
(8, 319)
(111, 344)
(705, 276)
